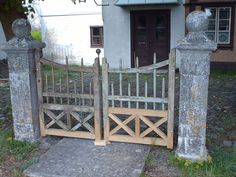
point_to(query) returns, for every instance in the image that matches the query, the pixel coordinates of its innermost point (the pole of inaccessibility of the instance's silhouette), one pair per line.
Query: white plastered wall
(66, 25)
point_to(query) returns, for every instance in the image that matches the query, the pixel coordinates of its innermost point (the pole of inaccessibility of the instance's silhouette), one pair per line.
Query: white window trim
(217, 31)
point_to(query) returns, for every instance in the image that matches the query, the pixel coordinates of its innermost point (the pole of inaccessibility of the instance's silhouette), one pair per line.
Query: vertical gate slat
(163, 93)
(82, 80)
(75, 91)
(60, 87)
(90, 93)
(137, 88)
(146, 93)
(53, 84)
(129, 94)
(112, 93)
(154, 79)
(46, 85)
(171, 98)
(120, 79)
(67, 80)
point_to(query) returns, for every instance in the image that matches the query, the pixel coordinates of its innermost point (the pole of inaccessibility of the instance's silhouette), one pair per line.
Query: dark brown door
(150, 33)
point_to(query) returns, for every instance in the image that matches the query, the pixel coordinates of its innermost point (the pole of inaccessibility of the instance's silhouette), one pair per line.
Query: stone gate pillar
(194, 76)
(21, 52)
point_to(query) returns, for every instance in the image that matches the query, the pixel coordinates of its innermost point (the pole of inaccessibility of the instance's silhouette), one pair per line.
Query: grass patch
(18, 149)
(221, 163)
(36, 35)
(6, 110)
(223, 74)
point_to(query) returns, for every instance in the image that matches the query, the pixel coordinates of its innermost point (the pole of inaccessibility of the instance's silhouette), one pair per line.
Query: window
(96, 35)
(219, 28)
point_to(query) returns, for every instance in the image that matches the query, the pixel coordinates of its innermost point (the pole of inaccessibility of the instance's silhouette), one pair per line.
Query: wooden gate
(138, 103)
(69, 99)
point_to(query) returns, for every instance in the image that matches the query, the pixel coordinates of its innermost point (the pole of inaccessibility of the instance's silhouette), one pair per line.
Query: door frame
(132, 23)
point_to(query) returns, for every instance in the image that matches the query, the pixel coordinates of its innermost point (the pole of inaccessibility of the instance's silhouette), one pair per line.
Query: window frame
(217, 31)
(232, 15)
(100, 36)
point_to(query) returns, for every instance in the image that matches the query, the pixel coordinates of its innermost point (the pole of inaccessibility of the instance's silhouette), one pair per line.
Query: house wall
(2, 40)
(66, 29)
(117, 34)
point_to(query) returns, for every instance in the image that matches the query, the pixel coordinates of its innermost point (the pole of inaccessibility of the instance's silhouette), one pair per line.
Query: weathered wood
(66, 107)
(134, 70)
(40, 96)
(97, 99)
(171, 99)
(144, 112)
(129, 94)
(112, 94)
(67, 95)
(120, 123)
(90, 94)
(60, 90)
(137, 99)
(67, 80)
(153, 127)
(46, 85)
(137, 89)
(146, 93)
(75, 134)
(163, 93)
(83, 121)
(137, 126)
(126, 121)
(53, 83)
(105, 91)
(82, 80)
(55, 118)
(143, 68)
(154, 86)
(53, 121)
(145, 140)
(68, 119)
(157, 124)
(75, 91)
(121, 87)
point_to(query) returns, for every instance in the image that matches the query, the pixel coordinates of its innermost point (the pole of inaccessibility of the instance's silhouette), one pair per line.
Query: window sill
(225, 47)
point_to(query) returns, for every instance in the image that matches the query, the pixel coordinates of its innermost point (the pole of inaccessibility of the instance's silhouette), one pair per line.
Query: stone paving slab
(81, 158)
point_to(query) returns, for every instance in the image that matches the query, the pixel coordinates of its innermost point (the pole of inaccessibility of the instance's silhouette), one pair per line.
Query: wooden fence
(69, 99)
(138, 105)
(129, 105)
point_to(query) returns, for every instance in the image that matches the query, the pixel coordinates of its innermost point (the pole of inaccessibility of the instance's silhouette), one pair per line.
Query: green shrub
(36, 35)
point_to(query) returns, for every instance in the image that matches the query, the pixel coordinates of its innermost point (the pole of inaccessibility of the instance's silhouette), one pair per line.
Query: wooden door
(150, 33)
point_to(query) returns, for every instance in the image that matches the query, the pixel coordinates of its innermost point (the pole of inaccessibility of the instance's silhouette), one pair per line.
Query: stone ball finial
(21, 28)
(197, 21)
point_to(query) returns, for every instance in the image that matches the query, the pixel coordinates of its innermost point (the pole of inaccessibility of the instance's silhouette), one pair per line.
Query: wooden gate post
(171, 99)
(105, 89)
(97, 100)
